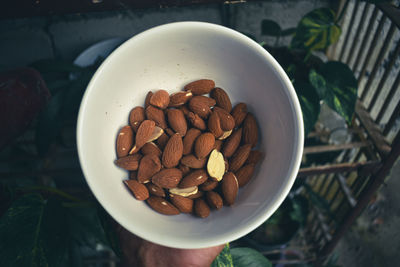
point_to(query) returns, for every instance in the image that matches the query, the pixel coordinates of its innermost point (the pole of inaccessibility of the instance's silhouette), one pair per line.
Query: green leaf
(33, 233)
(224, 259)
(300, 209)
(316, 30)
(270, 27)
(247, 257)
(336, 85)
(310, 106)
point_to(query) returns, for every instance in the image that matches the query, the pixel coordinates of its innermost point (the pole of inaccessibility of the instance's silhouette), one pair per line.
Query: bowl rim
(296, 156)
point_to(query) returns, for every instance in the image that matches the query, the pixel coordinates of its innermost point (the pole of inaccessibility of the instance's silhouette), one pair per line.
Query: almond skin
(136, 116)
(208, 185)
(167, 178)
(143, 134)
(124, 141)
(188, 140)
(148, 166)
(138, 190)
(179, 98)
(239, 158)
(193, 162)
(150, 149)
(200, 106)
(155, 190)
(184, 205)
(156, 115)
(162, 206)
(214, 125)
(230, 188)
(239, 112)
(254, 157)
(147, 99)
(177, 121)
(227, 121)
(199, 194)
(201, 208)
(200, 87)
(185, 169)
(232, 143)
(160, 99)
(218, 145)
(250, 130)
(244, 174)
(162, 141)
(204, 144)
(130, 163)
(173, 151)
(222, 99)
(196, 121)
(184, 109)
(194, 178)
(214, 200)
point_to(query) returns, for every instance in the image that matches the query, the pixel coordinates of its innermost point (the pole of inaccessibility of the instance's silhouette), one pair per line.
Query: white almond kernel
(184, 192)
(216, 165)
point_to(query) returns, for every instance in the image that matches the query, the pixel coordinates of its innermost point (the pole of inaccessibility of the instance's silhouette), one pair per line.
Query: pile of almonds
(187, 152)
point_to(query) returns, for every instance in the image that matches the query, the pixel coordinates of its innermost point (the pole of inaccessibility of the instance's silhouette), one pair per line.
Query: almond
(139, 190)
(239, 158)
(208, 185)
(193, 162)
(162, 141)
(185, 169)
(147, 99)
(227, 121)
(222, 99)
(143, 134)
(188, 140)
(214, 125)
(194, 178)
(216, 165)
(199, 194)
(218, 145)
(156, 115)
(201, 208)
(250, 130)
(124, 141)
(184, 192)
(225, 135)
(232, 143)
(230, 188)
(151, 149)
(155, 190)
(184, 109)
(179, 98)
(169, 132)
(200, 106)
(136, 116)
(160, 99)
(130, 163)
(177, 121)
(204, 144)
(254, 157)
(196, 121)
(200, 87)
(173, 151)
(184, 205)
(148, 166)
(167, 178)
(162, 206)
(133, 175)
(239, 112)
(214, 200)
(244, 174)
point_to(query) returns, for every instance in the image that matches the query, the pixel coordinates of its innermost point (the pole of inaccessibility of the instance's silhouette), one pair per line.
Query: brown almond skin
(239, 113)
(184, 204)
(162, 141)
(208, 185)
(138, 190)
(200, 87)
(167, 178)
(194, 178)
(196, 121)
(177, 121)
(222, 99)
(214, 125)
(162, 206)
(143, 134)
(229, 188)
(188, 140)
(199, 194)
(160, 99)
(250, 130)
(148, 166)
(244, 174)
(239, 158)
(130, 163)
(150, 149)
(218, 145)
(169, 132)
(184, 109)
(124, 141)
(232, 143)
(200, 106)
(155, 190)
(214, 200)
(179, 98)
(227, 121)
(136, 116)
(147, 99)
(193, 162)
(156, 115)
(201, 209)
(173, 151)
(254, 157)
(204, 144)
(185, 169)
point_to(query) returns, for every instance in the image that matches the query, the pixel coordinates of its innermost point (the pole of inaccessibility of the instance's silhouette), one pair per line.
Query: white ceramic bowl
(168, 57)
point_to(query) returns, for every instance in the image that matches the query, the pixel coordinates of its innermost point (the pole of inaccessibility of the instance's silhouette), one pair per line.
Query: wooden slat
(336, 168)
(392, 12)
(346, 190)
(329, 148)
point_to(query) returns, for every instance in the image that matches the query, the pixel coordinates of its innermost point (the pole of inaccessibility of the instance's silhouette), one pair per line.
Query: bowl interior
(168, 57)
